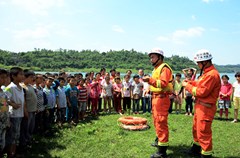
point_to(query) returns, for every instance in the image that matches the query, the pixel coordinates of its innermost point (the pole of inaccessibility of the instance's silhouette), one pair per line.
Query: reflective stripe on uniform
(158, 84)
(207, 152)
(194, 91)
(163, 144)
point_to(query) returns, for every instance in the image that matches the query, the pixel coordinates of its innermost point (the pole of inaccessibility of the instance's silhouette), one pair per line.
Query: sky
(178, 27)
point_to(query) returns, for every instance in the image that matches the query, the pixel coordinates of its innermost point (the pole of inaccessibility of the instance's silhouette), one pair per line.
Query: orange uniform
(161, 101)
(206, 91)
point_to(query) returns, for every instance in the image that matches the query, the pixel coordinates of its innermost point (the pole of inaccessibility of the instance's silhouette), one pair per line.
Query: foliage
(44, 59)
(72, 60)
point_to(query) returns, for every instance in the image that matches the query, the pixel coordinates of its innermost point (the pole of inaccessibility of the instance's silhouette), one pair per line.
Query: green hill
(49, 60)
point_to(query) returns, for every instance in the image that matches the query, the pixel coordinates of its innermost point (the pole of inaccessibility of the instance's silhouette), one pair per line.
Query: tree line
(55, 60)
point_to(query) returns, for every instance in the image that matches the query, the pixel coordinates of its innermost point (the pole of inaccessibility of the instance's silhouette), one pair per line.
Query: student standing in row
(236, 96)
(4, 115)
(16, 109)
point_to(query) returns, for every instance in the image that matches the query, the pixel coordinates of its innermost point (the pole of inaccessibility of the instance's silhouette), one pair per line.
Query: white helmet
(156, 51)
(202, 55)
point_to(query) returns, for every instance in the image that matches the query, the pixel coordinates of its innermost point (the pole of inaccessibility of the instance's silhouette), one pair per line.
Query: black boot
(206, 156)
(155, 143)
(195, 150)
(161, 153)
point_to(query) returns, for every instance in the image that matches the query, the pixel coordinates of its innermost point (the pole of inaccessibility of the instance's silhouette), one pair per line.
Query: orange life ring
(134, 127)
(129, 120)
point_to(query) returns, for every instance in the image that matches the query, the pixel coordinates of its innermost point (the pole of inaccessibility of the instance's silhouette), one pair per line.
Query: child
(87, 85)
(126, 91)
(177, 89)
(137, 87)
(236, 96)
(28, 125)
(171, 97)
(146, 96)
(224, 101)
(61, 102)
(188, 98)
(41, 102)
(17, 109)
(107, 93)
(99, 80)
(50, 107)
(72, 101)
(94, 95)
(112, 75)
(117, 95)
(82, 99)
(4, 115)
(191, 71)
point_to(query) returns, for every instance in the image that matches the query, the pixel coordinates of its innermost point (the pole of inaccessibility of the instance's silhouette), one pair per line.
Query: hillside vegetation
(49, 60)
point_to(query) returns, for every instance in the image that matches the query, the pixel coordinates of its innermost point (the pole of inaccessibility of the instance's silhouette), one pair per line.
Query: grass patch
(102, 137)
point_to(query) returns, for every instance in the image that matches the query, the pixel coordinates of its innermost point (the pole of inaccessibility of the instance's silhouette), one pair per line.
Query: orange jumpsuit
(206, 91)
(160, 106)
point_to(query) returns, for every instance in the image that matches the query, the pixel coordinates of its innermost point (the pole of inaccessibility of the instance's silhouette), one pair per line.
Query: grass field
(102, 138)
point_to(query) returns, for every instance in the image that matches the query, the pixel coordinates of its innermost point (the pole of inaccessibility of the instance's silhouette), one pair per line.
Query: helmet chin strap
(154, 64)
(203, 66)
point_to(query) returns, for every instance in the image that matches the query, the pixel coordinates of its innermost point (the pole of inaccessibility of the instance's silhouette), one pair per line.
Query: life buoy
(129, 120)
(135, 127)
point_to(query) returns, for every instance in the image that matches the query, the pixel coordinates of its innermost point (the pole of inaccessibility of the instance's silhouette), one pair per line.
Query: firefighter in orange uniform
(161, 87)
(206, 91)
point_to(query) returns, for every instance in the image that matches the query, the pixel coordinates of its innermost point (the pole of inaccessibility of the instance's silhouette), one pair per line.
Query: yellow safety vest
(156, 75)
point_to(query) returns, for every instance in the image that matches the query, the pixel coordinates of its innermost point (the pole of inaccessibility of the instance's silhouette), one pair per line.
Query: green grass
(103, 138)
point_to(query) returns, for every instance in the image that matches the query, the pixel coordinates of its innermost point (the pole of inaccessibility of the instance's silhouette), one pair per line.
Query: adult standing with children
(161, 87)
(206, 91)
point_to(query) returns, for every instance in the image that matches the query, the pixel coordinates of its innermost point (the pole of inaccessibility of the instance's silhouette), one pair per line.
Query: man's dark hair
(97, 74)
(178, 74)
(14, 71)
(129, 71)
(225, 76)
(3, 71)
(61, 79)
(135, 76)
(28, 73)
(237, 74)
(112, 70)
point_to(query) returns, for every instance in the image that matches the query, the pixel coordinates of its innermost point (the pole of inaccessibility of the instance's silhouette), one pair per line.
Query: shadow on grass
(181, 151)
(45, 144)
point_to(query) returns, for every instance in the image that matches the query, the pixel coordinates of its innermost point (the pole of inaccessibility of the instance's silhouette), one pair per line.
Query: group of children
(32, 102)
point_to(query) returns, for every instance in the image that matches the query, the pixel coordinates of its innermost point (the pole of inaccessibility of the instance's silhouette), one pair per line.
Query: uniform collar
(158, 65)
(209, 69)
